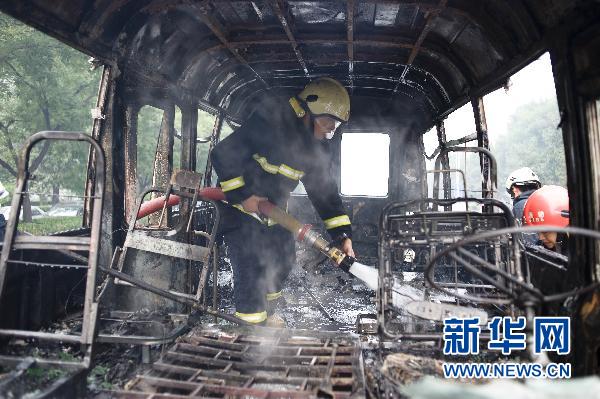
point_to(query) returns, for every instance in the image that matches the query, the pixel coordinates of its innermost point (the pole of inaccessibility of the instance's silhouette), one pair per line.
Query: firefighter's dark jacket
(269, 154)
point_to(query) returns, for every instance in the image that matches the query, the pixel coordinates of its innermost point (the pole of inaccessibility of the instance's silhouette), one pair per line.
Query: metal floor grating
(262, 363)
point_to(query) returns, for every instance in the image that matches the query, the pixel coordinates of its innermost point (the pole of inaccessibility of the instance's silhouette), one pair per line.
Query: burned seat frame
(419, 224)
(159, 240)
(20, 244)
(434, 231)
(162, 241)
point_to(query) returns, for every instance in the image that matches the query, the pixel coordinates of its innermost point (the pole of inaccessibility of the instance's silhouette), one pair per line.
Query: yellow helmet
(326, 96)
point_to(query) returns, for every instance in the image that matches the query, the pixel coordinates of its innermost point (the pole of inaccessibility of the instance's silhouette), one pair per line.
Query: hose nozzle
(347, 262)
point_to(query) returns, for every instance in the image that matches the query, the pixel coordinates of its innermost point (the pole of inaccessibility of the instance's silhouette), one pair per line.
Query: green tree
(44, 85)
(533, 139)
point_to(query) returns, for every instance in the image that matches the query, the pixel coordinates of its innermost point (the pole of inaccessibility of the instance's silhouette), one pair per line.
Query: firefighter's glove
(344, 243)
(250, 204)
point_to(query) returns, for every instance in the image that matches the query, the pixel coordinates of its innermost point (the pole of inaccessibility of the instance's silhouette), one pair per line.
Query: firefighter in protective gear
(549, 206)
(520, 184)
(281, 144)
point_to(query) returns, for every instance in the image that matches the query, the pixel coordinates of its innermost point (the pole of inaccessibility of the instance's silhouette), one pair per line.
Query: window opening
(365, 164)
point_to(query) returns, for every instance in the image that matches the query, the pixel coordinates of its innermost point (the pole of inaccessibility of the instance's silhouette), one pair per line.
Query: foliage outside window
(44, 85)
(523, 125)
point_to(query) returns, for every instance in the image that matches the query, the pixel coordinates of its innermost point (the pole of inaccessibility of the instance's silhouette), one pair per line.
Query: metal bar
(441, 134)
(166, 247)
(48, 246)
(452, 143)
(272, 365)
(215, 262)
(96, 131)
(432, 15)
(21, 365)
(51, 240)
(350, 38)
(307, 350)
(13, 361)
(487, 183)
(376, 41)
(242, 365)
(46, 336)
(219, 31)
(434, 48)
(278, 6)
(130, 150)
(257, 379)
(210, 245)
(44, 241)
(485, 264)
(444, 154)
(143, 395)
(466, 285)
(45, 264)
(249, 356)
(319, 304)
(145, 286)
(163, 158)
(142, 340)
(214, 139)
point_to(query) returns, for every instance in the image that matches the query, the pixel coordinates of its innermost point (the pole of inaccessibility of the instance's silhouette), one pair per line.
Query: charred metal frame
(280, 10)
(70, 385)
(98, 115)
(60, 243)
(489, 182)
(443, 156)
(426, 233)
(219, 31)
(266, 363)
(441, 135)
(432, 15)
(350, 39)
(525, 22)
(214, 139)
(156, 240)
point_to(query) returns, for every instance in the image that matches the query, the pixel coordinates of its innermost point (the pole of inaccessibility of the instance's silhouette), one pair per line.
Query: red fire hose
(156, 204)
(302, 232)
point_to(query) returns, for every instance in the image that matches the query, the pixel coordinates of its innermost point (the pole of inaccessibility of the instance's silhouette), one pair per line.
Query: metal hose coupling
(315, 240)
(305, 233)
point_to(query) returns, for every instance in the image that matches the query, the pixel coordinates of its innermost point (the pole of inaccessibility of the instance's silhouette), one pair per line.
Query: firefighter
(549, 206)
(281, 144)
(520, 184)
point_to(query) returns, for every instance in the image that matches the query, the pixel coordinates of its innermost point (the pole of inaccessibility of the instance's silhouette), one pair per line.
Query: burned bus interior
(155, 293)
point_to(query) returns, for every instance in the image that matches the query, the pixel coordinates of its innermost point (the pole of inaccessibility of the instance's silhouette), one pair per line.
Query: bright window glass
(523, 126)
(365, 164)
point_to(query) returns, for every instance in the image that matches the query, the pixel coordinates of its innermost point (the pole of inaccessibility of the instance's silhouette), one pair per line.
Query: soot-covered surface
(319, 295)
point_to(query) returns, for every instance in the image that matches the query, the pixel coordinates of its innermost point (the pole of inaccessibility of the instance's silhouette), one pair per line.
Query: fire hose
(302, 232)
(403, 296)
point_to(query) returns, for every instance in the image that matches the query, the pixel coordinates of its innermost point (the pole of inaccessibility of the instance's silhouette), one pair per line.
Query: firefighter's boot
(276, 303)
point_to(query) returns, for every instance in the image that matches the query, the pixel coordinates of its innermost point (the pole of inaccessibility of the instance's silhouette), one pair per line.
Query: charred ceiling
(430, 54)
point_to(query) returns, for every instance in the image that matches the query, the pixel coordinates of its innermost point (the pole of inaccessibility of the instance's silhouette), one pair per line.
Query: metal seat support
(160, 240)
(14, 242)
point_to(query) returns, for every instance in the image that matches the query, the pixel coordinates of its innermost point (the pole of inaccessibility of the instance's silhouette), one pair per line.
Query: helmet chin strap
(312, 118)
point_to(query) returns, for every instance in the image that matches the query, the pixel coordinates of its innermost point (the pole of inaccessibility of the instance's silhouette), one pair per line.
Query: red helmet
(547, 206)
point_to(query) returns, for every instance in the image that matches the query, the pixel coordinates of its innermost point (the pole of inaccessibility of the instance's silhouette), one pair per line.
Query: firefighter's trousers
(262, 257)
